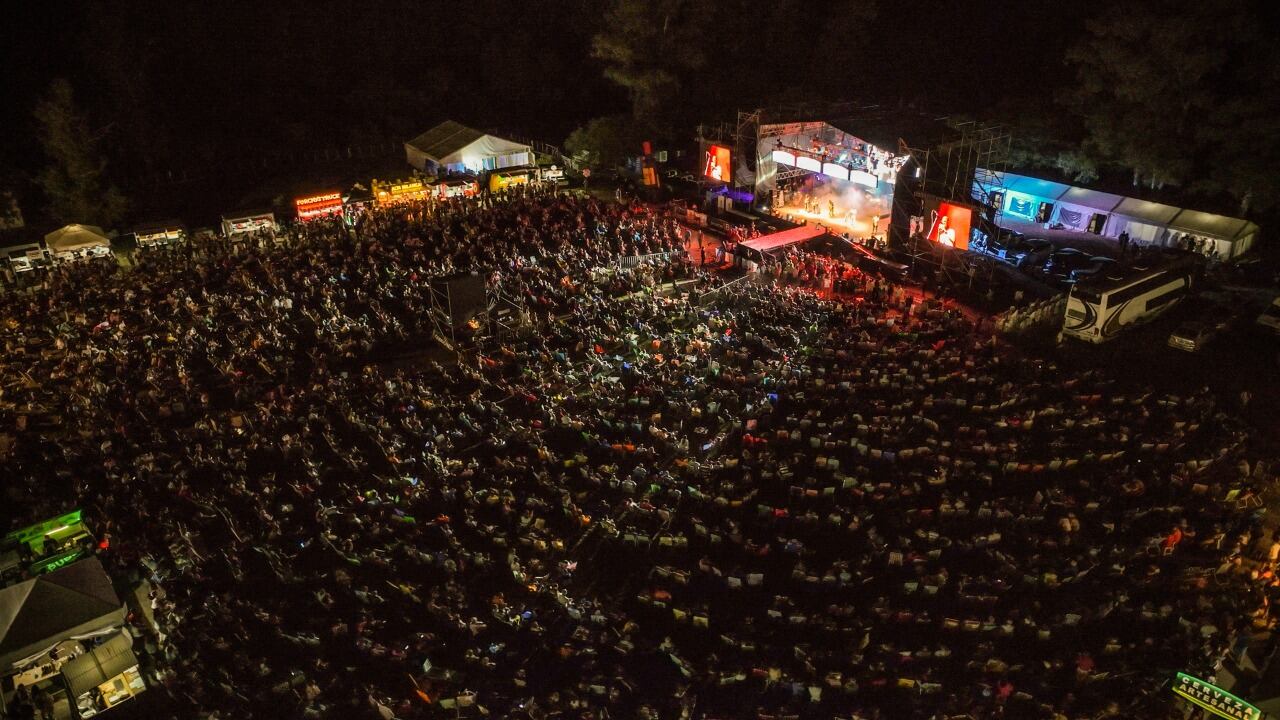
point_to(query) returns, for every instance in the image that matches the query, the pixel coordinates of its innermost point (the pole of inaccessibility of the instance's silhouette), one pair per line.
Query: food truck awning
(100, 664)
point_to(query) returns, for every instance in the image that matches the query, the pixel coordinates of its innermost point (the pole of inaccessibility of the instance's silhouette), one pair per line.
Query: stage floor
(859, 228)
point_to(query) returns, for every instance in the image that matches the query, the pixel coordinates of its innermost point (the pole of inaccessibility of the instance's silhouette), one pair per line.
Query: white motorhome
(1099, 308)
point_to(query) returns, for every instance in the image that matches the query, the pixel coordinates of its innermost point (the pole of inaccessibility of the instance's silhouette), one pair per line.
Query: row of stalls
(82, 241)
(1027, 203)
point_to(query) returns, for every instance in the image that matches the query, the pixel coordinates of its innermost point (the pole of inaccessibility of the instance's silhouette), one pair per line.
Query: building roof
(444, 139)
(37, 613)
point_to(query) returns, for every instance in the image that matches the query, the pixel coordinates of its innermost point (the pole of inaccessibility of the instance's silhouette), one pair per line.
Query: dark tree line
(1170, 92)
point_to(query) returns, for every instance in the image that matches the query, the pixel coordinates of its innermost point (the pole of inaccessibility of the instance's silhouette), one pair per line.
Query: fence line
(633, 261)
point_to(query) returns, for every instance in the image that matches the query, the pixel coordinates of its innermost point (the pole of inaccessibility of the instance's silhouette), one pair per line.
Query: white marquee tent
(1146, 222)
(454, 147)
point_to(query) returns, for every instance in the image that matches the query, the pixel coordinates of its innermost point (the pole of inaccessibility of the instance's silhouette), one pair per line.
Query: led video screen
(950, 225)
(716, 165)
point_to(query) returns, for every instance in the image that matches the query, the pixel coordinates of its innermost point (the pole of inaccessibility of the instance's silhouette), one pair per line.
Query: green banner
(62, 560)
(1214, 699)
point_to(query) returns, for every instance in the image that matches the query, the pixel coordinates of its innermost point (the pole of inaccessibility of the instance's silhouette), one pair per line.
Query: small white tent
(76, 237)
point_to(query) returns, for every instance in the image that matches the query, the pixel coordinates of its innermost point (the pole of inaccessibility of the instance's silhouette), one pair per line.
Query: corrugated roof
(444, 139)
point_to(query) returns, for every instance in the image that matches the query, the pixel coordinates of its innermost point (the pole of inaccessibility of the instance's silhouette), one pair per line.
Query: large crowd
(659, 500)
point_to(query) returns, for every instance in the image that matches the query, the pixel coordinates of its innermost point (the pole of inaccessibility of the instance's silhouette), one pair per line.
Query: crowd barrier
(634, 261)
(1038, 315)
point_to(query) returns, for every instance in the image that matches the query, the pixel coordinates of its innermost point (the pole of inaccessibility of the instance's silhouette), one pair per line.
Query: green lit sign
(1214, 699)
(56, 562)
(39, 530)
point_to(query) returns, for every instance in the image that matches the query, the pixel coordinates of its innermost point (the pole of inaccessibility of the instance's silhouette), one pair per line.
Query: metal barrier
(634, 261)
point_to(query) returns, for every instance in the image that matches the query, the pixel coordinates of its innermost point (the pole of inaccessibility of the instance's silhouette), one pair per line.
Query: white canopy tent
(454, 147)
(1145, 221)
(76, 237)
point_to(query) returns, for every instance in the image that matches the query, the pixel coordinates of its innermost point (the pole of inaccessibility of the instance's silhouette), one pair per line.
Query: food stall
(357, 201)
(499, 179)
(239, 224)
(387, 192)
(104, 676)
(319, 205)
(159, 233)
(44, 547)
(28, 257)
(457, 187)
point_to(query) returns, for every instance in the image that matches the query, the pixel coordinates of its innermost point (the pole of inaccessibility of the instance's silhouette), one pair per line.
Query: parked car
(1193, 335)
(1061, 263)
(1025, 248)
(1097, 264)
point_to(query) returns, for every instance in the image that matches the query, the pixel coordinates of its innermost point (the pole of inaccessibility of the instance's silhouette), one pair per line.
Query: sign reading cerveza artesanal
(1214, 699)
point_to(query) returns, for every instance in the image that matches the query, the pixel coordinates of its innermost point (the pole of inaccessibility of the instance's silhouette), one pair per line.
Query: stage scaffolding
(498, 321)
(968, 169)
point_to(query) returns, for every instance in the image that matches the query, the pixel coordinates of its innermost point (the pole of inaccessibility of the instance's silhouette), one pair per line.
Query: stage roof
(1106, 202)
(779, 240)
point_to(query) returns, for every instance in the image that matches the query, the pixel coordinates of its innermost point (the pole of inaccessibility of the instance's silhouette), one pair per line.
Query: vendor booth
(78, 241)
(500, 179)
(44, 547)
(356, 202)
(318, 205)
(103, 677)
(387, 192)
(457, 187)
(239, 224)
(26, 257)
(452, 147)
(47, 622)
(158, 233)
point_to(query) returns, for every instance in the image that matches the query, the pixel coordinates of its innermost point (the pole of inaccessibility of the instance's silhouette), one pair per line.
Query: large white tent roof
(1147, 211)
(1219, 226)
(1092, 199)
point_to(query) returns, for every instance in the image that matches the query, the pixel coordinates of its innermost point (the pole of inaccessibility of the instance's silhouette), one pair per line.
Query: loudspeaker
(466, 296)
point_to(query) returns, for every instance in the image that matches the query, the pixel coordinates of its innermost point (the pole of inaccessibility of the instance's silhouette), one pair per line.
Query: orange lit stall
(321, 205)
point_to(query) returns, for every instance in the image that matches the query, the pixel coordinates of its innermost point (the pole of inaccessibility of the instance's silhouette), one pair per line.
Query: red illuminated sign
(319, 205)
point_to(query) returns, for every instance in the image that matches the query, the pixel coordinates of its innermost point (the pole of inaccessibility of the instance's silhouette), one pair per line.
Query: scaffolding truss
(498, 321)
(969, 169)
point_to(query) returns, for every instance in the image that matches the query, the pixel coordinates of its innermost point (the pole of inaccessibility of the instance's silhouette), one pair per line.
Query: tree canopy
(73, 179)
